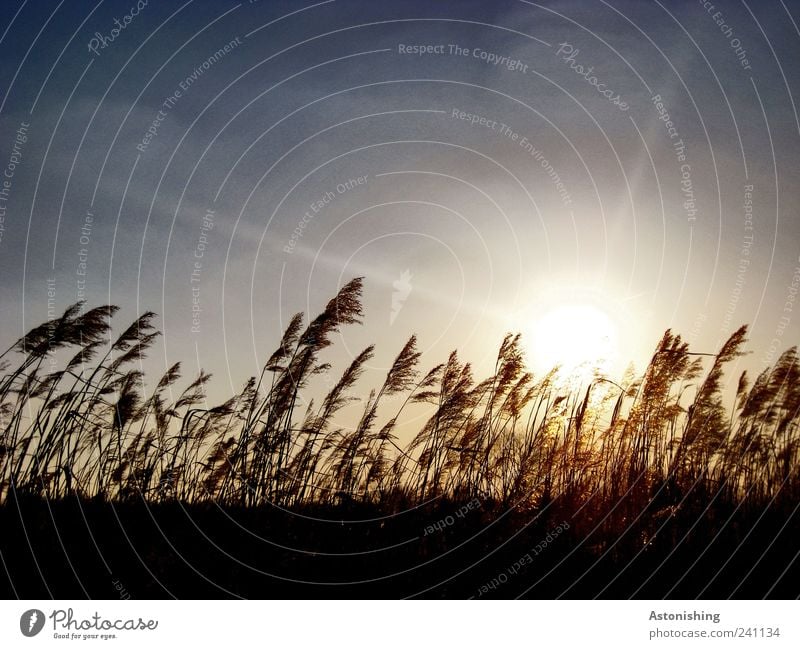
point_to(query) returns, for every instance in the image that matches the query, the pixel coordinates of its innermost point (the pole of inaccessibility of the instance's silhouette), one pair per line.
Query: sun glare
(581, 338)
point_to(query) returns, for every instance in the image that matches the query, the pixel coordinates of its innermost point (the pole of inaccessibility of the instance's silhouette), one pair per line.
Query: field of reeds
(659, 468)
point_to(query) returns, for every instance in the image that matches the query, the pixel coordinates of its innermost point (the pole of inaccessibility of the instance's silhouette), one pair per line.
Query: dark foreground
(83, 549)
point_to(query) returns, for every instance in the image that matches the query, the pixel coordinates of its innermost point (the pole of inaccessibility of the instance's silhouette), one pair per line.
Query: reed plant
(98, 429)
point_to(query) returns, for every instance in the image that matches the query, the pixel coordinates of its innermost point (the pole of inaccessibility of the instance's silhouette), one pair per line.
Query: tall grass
(87, 429)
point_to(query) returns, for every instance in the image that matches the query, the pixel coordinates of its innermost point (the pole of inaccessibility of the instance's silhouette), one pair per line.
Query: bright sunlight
(579, 337)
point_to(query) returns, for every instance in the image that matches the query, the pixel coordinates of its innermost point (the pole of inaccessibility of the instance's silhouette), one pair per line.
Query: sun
(581, 338)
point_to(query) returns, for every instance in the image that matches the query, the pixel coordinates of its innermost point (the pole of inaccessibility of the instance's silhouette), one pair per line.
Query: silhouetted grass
(626, 462)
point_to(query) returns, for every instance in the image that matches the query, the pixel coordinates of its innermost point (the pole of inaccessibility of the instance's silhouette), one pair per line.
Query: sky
(587, 173)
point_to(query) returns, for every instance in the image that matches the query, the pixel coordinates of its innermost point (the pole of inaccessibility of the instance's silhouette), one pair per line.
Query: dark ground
(78, 549)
